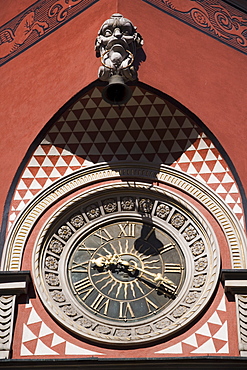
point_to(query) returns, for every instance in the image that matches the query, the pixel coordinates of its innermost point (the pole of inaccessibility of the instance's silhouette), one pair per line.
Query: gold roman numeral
(103, 234)
(173, 267)
(167, 248)
(150, 304)
(149, 234)
(127, 229)
(83, 286)
(125, 309)
(89, 249)
(74, 267)
(96, 305)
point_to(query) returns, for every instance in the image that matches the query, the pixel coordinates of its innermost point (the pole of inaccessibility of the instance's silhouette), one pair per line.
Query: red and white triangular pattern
(147, 129)
(39, 340)
(211, 338)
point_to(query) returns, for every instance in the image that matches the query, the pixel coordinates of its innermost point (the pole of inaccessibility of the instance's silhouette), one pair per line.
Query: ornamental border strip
(35, 23)
(214, 18)
(16, 241)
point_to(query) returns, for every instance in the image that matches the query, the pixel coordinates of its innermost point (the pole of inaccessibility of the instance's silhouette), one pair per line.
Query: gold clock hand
(99, 262)
(157, 278)
(113, 259)
(102, 261)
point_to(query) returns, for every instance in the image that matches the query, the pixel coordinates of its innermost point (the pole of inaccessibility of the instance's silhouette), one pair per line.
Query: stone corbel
(116, 45)
(235, 282)
(12, 284)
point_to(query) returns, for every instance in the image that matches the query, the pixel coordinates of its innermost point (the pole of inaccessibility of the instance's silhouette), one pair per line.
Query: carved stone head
(116, 44)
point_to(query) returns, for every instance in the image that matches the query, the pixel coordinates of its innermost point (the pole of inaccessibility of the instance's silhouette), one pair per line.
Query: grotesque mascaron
(116, 44)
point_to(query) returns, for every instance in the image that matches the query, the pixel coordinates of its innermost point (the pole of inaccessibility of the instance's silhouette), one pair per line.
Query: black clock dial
(126, 271)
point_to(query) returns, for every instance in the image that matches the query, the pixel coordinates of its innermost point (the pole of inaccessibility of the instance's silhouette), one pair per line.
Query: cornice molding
(166, 363)
(14, 283)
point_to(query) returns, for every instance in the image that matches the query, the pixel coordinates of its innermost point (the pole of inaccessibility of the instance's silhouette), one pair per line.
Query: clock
(126, 264)
(126, 271)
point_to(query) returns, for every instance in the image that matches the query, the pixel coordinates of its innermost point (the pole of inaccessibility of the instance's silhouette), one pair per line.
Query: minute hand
(158, 278)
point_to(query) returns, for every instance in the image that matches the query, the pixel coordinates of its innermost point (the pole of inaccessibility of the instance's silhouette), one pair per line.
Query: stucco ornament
(116, 45)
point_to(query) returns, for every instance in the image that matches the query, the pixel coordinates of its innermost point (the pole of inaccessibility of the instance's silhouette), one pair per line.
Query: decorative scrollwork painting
(35, 23)
(213, 17)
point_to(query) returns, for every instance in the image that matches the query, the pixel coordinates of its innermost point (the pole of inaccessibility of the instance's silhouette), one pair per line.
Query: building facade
(123, 225)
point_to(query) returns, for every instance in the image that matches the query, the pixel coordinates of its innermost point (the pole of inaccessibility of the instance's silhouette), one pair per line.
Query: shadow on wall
(146, 129)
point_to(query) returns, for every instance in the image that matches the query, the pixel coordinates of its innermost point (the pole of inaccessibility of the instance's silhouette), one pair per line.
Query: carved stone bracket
(235, 282)
(11, 285)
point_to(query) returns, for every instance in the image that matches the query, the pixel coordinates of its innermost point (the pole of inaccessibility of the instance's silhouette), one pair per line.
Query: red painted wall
(206, 76)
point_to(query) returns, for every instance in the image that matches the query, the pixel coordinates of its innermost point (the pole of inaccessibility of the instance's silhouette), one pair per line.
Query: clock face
(126, 271)
(125, 266)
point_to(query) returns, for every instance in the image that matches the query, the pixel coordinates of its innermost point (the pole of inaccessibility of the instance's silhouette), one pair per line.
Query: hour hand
(105, 261)
(99, 262)
(162, 282)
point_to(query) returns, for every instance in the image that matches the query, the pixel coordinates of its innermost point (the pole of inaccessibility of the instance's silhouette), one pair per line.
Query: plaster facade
(183, 128)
